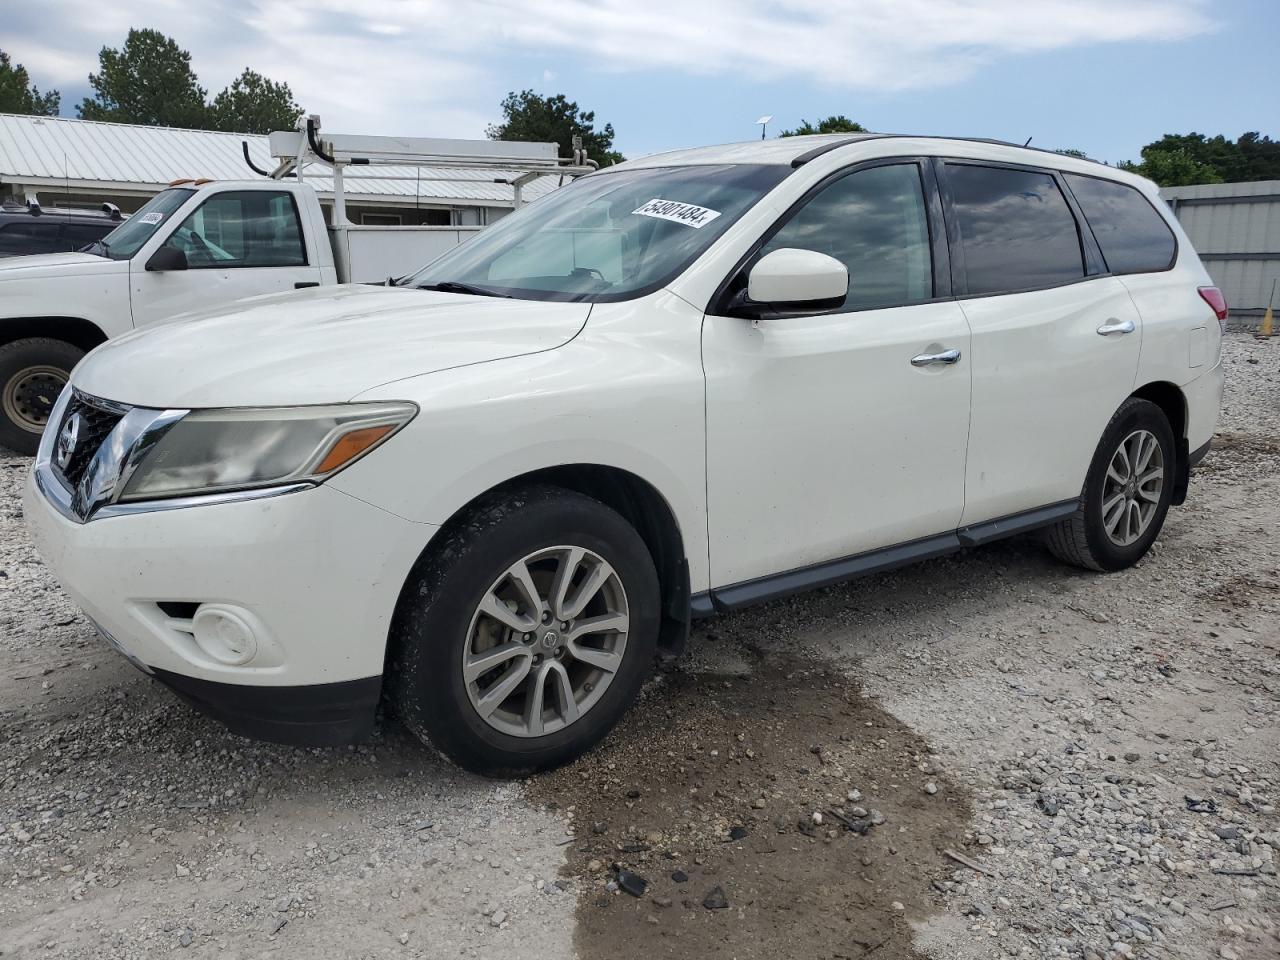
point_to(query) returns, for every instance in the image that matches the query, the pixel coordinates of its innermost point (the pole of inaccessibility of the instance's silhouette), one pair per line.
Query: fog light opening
(224, 635)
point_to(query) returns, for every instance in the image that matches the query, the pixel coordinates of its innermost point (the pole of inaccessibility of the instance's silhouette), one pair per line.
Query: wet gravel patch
(776, 812)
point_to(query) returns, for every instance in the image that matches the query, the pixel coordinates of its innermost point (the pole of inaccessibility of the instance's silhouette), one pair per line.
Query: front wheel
(527, 633)
(1126, 493)
(32, 374)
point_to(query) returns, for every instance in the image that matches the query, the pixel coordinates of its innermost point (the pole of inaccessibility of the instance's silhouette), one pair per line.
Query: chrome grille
(97, 419)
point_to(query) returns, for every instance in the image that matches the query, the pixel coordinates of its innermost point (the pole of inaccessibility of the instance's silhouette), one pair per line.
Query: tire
(440, 621)
(1100, 539)
(32, 374)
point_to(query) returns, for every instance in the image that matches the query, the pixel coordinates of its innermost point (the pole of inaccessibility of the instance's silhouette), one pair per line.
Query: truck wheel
(1126, 493)
(527, 633)
(32, 374)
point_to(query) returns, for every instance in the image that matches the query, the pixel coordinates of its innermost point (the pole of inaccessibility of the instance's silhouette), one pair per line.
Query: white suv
(498, 489)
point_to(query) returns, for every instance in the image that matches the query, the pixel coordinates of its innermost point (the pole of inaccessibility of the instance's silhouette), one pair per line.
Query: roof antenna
(1028, 141)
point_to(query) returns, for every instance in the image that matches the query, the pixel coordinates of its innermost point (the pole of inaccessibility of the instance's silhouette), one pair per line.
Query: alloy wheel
(1132, 487)
(545, 641)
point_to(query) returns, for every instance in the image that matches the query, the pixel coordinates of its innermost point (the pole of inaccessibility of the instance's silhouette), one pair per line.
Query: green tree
(1072, 152)
(1261, 156)
(1184, 158)
(148, 81)
(255, 104)
(838, 123)
(1172, 168)
(17, 95)
(554, 119)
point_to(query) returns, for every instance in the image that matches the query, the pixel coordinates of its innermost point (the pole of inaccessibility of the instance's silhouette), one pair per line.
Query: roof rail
(857, 138)
(819, 150)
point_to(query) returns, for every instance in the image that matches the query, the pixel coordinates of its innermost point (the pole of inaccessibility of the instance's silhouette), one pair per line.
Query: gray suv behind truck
(26, 230)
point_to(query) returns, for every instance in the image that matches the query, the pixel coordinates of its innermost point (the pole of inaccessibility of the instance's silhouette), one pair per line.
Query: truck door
(235, 244)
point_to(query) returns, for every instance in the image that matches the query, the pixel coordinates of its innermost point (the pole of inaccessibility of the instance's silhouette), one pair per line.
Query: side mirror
(167, 258)
(793, 276)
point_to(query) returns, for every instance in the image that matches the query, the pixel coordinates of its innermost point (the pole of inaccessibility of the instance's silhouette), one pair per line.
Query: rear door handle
(1116, 326)
(928, 359)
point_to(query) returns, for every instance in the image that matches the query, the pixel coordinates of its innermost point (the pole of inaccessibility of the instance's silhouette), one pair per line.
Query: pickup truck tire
(526, 633)
(32, 374)
(1126, 492)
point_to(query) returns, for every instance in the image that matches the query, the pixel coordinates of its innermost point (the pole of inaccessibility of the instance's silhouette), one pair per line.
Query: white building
(82, 163)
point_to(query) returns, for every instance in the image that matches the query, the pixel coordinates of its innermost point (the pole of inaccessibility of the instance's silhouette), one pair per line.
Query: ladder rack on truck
(349, 156)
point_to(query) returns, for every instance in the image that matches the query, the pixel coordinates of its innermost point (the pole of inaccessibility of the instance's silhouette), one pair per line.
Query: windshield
(125, 240)
(609, 236)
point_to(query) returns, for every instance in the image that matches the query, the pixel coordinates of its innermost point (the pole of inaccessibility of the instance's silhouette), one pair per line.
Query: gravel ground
(1005, 757)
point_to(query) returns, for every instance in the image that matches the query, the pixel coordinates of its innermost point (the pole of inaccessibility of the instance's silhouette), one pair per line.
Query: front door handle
(1116, 326)
(303, 284)
(928, 359)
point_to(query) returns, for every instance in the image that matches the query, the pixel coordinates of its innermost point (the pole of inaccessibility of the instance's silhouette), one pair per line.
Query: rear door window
(20, 237)
(1134, 238)
(1016, 230)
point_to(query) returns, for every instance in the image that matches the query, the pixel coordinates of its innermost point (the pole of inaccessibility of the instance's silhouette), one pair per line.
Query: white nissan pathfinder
(497, 491)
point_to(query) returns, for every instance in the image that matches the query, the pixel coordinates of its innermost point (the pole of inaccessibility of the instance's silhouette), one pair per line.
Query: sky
(1103, 76)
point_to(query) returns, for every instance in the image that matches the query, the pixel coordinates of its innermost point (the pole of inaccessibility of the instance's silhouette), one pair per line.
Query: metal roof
(105, 156)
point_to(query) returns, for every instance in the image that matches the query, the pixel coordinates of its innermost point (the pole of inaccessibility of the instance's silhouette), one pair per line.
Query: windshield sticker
(690, 214)
(155, 216)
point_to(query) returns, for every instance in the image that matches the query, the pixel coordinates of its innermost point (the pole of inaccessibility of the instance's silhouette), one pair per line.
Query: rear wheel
(1126, 494)
(32, 374)
(527, 633)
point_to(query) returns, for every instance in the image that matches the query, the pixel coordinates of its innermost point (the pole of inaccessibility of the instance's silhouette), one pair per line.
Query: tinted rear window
(1134, 238)
(1016, 230)
(19, 237)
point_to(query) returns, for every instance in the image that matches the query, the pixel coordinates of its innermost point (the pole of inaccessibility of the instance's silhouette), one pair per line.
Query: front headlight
(212, 451)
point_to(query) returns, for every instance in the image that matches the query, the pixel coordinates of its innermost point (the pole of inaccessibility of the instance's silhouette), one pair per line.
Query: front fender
(586, 403)
(34, 305)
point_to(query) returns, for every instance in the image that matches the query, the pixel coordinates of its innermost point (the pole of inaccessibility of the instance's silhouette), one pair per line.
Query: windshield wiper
(453, 286)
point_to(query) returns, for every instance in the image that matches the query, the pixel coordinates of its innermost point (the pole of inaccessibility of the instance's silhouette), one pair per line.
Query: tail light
(1217, 302)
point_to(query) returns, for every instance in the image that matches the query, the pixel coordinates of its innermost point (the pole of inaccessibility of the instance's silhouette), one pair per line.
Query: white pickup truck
(204, 243)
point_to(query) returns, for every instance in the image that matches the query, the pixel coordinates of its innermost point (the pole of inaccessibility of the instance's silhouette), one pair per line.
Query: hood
(58, 265)
(323, 345)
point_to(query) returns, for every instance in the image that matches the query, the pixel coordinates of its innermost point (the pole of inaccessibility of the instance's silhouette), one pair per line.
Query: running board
(763, 589)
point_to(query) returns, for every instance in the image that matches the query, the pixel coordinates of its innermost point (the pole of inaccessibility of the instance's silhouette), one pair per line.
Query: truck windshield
(608, 236)
(125, 240)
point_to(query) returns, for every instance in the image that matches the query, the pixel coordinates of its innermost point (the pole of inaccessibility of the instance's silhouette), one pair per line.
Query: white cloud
(437, 66)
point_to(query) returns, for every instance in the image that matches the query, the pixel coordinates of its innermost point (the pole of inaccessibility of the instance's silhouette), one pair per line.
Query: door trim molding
(746, 593)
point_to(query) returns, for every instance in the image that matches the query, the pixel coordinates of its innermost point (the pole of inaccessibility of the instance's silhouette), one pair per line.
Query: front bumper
(315, 573)
(320, 715)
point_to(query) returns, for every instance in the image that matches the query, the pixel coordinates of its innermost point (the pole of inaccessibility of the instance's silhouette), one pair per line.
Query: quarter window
(251, 228)
(1134, 238)
(77, 235)
(1016, 230)
(873, 221)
